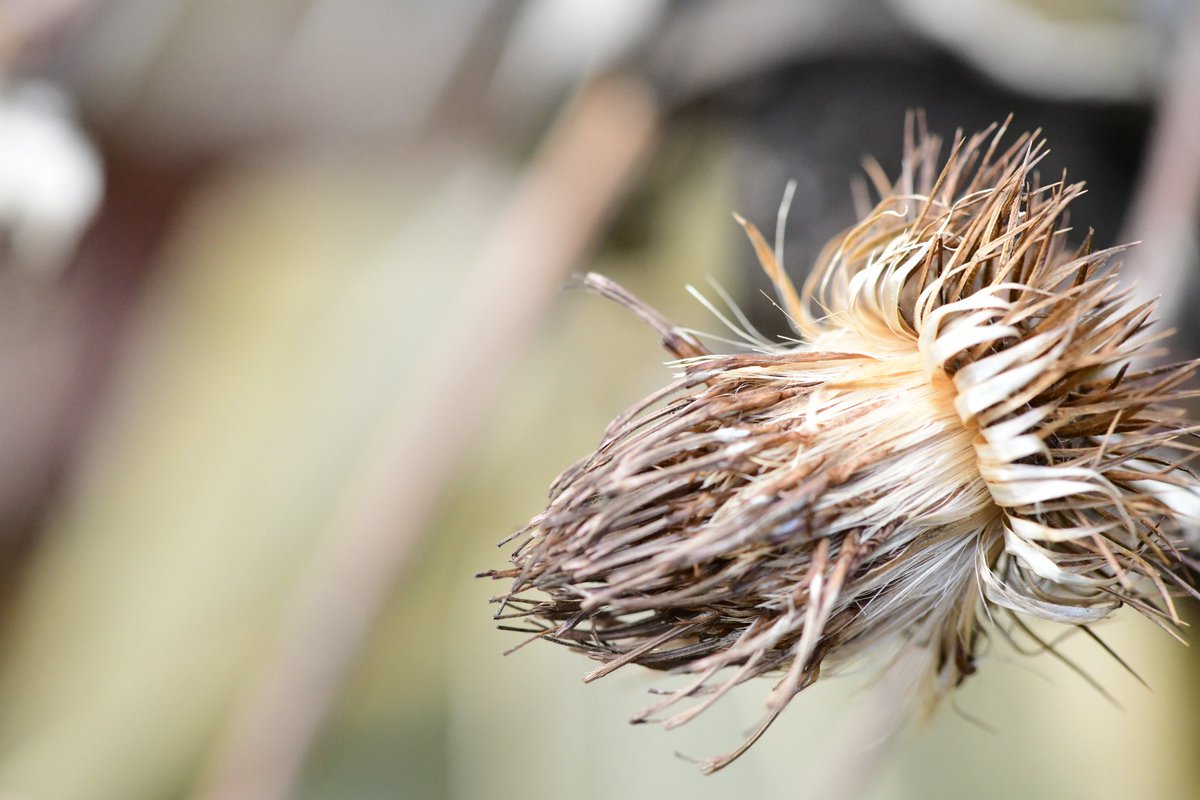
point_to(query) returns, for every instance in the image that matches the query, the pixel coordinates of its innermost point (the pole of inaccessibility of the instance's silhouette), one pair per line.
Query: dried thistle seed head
(958, 443)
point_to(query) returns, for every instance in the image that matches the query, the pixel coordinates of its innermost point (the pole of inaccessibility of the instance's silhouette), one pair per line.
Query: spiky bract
(959, 431)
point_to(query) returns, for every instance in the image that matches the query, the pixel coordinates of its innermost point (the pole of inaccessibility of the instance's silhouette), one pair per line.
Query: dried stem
(584, 166)
(1166, 206)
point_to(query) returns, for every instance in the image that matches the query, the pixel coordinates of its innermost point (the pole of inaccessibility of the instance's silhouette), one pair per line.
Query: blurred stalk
(1166, 206)
(586, 163)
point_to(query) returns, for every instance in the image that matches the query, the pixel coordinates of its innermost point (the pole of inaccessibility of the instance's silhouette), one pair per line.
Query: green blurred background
(284, 353)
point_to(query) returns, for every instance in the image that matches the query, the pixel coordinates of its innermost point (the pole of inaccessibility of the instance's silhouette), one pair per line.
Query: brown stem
(1167, 203)
(584, 166)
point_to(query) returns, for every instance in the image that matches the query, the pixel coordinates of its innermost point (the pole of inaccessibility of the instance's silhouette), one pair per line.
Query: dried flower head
(959, 436)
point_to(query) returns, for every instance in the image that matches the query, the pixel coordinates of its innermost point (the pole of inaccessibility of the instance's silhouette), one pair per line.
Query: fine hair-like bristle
(959, 433)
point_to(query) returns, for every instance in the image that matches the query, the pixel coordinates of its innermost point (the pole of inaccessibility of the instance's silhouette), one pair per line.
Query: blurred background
(284, 352)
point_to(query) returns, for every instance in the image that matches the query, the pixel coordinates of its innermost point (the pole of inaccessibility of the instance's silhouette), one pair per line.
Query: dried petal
(959, 433)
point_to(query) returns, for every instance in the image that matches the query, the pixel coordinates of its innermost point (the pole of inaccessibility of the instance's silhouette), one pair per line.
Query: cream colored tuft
(960, 435)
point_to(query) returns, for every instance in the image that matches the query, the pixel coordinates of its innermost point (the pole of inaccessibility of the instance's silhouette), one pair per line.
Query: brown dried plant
(958, 436)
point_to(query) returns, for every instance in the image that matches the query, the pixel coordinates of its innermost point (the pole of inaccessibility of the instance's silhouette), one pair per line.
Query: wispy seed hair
(960, 434)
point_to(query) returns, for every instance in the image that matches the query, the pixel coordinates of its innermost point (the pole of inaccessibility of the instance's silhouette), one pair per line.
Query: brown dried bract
(959, 433)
